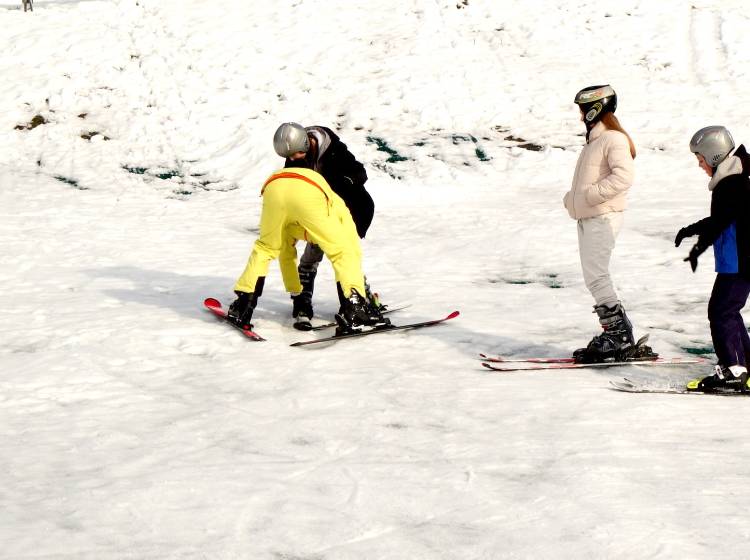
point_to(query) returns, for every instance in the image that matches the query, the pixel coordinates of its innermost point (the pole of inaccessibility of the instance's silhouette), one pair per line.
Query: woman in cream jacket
(596, 200)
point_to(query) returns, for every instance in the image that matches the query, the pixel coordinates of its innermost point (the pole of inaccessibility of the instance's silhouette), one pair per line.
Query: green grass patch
(481, 154)
(699, 350)
(135, 170)
(168, 174)
(160, 173)
(466, 138)
(72, 182)
(382, 146)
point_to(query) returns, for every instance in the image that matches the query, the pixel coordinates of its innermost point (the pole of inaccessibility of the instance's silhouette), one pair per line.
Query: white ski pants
(596, 240)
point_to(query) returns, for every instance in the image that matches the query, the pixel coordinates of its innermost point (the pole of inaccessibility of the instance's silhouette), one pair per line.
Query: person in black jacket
(320, 149)
(728, 229)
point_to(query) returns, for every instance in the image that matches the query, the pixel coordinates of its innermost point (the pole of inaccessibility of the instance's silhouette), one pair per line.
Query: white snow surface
(135, 425)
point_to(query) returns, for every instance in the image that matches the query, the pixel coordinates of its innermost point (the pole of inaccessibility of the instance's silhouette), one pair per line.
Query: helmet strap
(589, 126)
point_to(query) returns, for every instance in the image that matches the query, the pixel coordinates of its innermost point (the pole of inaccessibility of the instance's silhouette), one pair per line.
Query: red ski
(500, 359)
(215, 307)
(533, 366)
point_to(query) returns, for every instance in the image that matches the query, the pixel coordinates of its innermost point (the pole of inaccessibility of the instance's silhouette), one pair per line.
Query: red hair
(611, 122)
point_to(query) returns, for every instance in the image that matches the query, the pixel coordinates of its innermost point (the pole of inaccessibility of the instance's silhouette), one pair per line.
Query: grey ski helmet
(289, 139)
(594, 101)
(714, 143)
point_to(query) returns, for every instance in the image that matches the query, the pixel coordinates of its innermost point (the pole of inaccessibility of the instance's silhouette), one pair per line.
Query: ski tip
(453, 315)
(212, 303)
(318, 342)
(623, 383)
(252, 335)
(500, 359)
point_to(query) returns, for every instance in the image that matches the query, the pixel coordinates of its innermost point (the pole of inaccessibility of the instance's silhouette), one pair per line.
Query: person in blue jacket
(728, 230)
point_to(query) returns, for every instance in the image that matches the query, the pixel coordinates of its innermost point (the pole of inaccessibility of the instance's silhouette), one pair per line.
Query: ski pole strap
(292, 175)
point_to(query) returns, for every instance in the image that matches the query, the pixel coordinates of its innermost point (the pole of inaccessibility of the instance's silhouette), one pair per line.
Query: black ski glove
(241, 310)
(682, 234)
(301, 305)
(692, 257)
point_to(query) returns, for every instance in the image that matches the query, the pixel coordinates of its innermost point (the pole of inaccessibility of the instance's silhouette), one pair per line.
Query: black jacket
(330, 157)
(730, 204)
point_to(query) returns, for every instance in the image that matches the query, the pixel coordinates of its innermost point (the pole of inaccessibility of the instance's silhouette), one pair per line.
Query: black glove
(302, 305)
(241, 310)
(692, 257)
(682, 234)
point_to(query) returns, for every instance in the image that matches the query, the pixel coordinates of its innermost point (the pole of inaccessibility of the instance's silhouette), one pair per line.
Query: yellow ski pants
(298, 204)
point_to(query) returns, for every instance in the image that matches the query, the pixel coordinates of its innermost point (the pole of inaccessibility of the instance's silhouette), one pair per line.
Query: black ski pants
(728, 331)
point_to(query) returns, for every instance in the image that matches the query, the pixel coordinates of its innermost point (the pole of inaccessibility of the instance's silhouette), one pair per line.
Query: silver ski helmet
(594, 101)
(714, 143)
(289, 139)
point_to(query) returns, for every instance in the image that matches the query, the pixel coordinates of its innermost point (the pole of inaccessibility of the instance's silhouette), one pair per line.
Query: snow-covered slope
(135, 136)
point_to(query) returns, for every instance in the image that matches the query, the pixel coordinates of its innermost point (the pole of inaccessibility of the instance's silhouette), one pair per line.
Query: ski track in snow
(707, 47)
(135, 425)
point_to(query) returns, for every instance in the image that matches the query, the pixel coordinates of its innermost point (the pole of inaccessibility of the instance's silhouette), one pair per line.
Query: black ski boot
(302, 312)
(241, 310)
(732, 378)
(356, 312)
(615, 344)
(302, 309)
(372, 299)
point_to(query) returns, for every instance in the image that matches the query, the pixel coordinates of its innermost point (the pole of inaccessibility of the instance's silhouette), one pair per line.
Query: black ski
(325, 326)
(377, 330)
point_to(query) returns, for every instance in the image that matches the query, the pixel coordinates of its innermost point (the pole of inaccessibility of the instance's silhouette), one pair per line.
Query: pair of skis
(624, 385)
(535, 364)
(499, 363)
(215, 307)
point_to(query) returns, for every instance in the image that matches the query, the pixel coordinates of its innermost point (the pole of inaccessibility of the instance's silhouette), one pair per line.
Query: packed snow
(136, 135)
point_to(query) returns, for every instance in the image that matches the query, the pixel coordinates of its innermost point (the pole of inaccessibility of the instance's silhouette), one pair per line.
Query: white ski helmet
(714, 143)
(289, 139)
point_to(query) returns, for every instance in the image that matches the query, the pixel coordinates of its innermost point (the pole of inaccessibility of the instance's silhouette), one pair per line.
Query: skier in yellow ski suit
(298, 204)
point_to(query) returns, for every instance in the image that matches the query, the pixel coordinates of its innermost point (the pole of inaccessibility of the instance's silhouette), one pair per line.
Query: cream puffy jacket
(603, 175)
